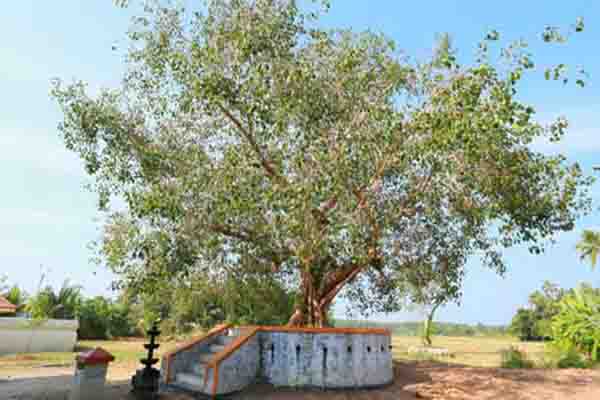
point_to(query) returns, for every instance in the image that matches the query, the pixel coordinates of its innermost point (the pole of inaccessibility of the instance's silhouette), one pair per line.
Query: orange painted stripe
(225, 353)
(253, 330)
(215, 331)
(352, 331)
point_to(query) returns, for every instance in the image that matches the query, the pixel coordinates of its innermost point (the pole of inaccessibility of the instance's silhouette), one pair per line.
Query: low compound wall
(240, 369)
(22, 335)
(333, 358)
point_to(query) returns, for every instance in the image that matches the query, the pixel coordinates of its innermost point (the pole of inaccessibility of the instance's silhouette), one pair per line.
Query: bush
(101, 319)
(572, 359)
(94, 319)
(515, 358)
(577, 325)
(119, 321)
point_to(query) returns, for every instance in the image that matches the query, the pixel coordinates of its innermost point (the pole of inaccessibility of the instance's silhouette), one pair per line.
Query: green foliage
(93, 319)
(572, 359)
(48, 303)
(202, 302)
(17, 296)
(564, 357)
(588, 246)
(515, 358)
(577, 325)
(523, 325)
(533, 323)
(245, 137)
(100, 318)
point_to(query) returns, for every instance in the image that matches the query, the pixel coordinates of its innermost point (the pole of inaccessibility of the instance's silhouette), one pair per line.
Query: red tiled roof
(96, 356)
(6, 306)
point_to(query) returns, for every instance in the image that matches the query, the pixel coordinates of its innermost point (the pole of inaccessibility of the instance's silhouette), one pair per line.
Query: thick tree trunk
(312, 313)
(316, 301)
(319, 319)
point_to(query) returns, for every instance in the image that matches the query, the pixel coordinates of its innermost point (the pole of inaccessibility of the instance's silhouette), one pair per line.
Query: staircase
(193, 379)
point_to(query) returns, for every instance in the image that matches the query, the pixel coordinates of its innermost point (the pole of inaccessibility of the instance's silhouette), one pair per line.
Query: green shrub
(100, 318)
(94, 319)
(577, 325)
(572, 359)
(119, 321)
(515, 358)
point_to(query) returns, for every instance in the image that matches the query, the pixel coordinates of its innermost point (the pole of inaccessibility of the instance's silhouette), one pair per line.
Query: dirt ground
(413, 380)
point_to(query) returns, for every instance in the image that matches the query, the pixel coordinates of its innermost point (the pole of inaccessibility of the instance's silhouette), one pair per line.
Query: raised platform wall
(240, 369)
(21, 335)
(328, 360)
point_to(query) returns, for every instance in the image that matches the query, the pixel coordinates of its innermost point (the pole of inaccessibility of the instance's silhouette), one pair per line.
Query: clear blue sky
(48, 218)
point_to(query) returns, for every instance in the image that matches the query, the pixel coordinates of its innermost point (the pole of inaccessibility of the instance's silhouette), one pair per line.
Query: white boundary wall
(22, 335)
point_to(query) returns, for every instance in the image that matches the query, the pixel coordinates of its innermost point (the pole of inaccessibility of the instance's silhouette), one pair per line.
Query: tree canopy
(246, 137)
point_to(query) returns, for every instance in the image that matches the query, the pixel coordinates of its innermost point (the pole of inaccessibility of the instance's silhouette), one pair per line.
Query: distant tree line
(181, 307)
(438, 328)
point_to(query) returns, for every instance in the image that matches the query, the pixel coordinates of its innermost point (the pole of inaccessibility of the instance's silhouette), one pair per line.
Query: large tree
(246, 137)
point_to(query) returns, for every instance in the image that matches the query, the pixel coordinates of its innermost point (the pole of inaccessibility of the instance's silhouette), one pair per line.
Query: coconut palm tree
(18, 297)
(60, 305)
(589, 246)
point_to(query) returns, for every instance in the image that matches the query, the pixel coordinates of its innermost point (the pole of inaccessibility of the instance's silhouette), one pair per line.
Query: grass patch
(129, 351)
(472, 351)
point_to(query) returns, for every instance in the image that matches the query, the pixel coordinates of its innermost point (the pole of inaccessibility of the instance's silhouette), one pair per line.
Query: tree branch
(277, 256)
(249, 137)
(338, 283)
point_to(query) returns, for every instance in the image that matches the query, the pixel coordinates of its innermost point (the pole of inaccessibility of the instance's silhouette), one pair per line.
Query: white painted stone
(89, 382)
(22, 335)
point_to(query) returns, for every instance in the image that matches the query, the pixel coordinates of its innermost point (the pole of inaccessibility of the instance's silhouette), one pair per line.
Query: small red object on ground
(94, 357)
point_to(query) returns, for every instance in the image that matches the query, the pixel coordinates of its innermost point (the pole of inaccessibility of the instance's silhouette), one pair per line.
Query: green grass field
(127, 351)
(471, 351)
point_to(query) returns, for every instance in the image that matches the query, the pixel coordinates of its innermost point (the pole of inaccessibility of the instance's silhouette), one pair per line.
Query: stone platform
(228, 359)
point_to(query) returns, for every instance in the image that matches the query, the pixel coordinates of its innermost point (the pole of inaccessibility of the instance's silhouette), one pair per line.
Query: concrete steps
(193, 378)
(198, 369)
(190, 381)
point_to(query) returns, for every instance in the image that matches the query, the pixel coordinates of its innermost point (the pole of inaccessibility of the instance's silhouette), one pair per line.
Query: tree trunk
(428, 323)
(316, 301)
(427, 330)
(313, 313)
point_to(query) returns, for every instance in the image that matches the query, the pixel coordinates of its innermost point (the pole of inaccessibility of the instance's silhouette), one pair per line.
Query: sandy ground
(413, 380)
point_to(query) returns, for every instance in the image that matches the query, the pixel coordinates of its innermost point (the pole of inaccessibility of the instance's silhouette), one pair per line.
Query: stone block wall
(327, 360)
(240, 369)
